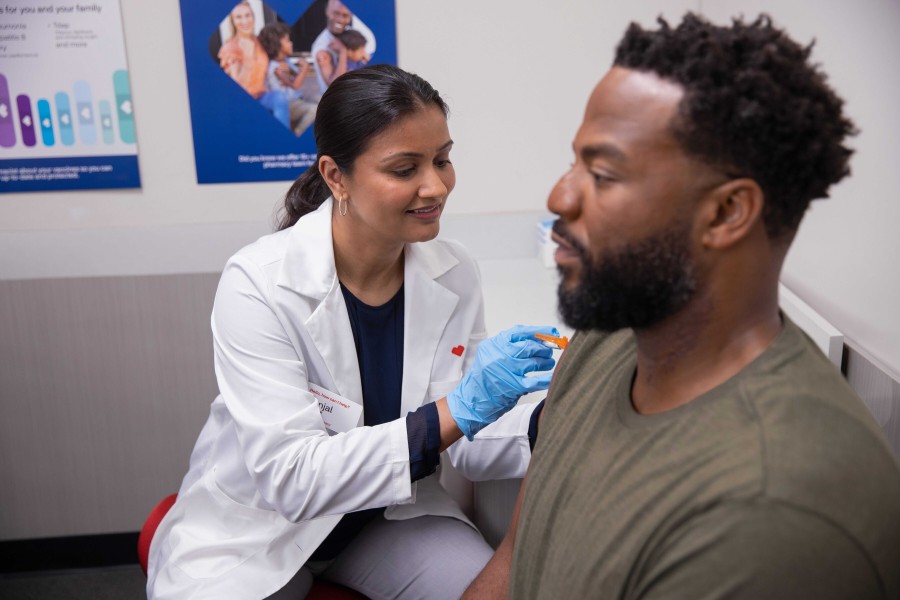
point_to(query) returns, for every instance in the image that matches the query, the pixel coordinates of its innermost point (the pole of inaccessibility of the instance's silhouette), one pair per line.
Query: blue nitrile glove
(497, 378)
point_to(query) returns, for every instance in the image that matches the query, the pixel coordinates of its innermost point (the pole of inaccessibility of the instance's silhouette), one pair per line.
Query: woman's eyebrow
(414, 154)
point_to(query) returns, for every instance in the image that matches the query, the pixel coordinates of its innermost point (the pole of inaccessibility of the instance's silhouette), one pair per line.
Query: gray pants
(422, 558)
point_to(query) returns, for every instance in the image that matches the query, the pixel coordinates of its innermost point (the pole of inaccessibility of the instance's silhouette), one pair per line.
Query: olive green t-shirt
(776, 484)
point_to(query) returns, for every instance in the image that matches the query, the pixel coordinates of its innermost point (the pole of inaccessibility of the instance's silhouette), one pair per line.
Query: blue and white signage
(66, 113)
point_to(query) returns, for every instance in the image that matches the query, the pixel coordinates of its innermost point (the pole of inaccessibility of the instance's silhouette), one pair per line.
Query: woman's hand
(229, 56)
(498, 377)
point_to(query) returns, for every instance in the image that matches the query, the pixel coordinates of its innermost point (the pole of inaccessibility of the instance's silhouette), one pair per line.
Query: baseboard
(73, 552)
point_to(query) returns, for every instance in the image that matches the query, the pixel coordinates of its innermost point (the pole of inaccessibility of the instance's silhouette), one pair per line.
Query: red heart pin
(458, 350)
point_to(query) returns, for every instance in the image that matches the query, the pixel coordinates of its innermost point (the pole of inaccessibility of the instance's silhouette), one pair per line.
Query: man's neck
(698, 349)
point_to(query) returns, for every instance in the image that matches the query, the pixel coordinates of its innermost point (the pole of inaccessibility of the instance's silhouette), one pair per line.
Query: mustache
(560, 229)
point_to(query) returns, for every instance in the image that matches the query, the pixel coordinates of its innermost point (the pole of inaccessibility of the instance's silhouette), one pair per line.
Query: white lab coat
(266, 482)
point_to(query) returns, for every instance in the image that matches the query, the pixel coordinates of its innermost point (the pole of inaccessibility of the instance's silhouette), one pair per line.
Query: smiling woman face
(399, 185)
(243, 20)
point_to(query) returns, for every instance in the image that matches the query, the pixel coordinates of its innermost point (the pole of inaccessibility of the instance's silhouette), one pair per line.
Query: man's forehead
(337, 5)
(634, 104)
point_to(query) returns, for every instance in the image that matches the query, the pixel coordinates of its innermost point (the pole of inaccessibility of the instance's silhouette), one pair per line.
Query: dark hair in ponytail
(356, 107)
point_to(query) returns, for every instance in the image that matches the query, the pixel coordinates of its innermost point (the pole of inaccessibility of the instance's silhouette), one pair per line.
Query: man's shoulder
(590, 347)
(804, 404)
(322, 40)
(593, 365)
(823, 453)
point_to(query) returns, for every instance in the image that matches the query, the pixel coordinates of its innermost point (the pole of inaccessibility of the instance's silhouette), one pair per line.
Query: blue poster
(66, 113)
(256, 70)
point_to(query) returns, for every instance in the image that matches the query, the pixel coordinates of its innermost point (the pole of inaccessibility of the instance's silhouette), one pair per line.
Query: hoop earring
(342, 206)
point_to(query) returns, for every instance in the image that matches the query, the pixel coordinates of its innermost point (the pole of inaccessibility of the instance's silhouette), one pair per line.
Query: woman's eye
(405, 172)
(443, 163)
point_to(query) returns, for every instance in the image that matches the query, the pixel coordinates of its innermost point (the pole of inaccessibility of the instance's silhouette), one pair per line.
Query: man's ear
(332, 175)
(732, 210)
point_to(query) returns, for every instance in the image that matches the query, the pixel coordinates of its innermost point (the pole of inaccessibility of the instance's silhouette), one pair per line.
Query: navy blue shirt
(378, 336)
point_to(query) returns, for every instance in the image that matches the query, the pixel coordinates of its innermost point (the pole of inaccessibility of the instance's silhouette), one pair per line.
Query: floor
(126, 582)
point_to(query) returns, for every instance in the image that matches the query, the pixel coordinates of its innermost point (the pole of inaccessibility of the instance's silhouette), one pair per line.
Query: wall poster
(66, 114)
(256, 70)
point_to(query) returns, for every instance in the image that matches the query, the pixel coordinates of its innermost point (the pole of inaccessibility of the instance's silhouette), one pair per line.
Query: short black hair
(353, 39)
(753, 106)
(270, 37)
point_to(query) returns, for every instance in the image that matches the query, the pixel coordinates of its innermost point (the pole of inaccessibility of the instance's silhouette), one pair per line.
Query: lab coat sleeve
(297, 468)
(499, 451)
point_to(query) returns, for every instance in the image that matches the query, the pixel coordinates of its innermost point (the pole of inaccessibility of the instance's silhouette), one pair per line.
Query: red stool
(321, 590)
(146, 536)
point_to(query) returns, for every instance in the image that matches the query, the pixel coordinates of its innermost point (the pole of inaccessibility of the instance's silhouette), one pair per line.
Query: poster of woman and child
(256, 71)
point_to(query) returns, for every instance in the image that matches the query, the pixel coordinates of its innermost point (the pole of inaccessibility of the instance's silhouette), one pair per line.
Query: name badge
(338, 413)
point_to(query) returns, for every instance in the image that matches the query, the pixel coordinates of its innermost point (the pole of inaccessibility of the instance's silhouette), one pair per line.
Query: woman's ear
(732, 211)
(332, 175)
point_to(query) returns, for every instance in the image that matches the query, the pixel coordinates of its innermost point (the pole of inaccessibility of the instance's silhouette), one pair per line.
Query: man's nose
(565, 198)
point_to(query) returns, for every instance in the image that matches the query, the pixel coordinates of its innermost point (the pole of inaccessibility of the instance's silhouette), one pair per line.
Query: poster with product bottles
(256, 70)
(66, 112)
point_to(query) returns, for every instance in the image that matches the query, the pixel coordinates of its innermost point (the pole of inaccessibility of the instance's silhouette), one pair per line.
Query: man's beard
(636, 286)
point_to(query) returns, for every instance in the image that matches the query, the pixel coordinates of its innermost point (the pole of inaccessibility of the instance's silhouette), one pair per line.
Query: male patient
(694, 442)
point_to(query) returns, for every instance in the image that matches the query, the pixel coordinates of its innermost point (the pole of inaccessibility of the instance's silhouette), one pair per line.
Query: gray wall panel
(878, 391)
(106, 381)
(104, 385)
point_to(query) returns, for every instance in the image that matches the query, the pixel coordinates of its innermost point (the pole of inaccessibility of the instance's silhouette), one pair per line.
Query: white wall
(517, 75)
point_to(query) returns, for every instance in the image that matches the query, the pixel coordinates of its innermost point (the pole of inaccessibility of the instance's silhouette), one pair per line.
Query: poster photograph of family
(256, 71)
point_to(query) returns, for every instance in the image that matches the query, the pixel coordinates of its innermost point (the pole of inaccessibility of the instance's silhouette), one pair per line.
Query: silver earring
(342, 206)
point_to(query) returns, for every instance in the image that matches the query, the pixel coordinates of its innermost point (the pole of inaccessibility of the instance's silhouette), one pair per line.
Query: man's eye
(600, 177)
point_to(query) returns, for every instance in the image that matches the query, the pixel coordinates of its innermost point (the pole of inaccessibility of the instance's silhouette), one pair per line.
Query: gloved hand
(497, 378)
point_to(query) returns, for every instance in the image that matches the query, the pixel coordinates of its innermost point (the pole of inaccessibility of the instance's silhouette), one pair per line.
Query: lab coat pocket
(219, 533)
(439, 389)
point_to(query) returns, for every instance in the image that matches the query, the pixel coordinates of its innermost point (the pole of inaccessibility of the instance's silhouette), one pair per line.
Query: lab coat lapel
(309, 270)
(332, 336)
(428, 308)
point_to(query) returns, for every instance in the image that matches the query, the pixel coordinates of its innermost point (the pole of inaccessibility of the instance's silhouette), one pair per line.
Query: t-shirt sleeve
(759, 549)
